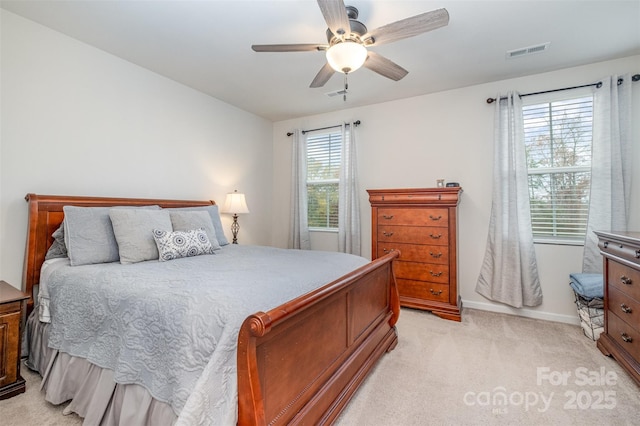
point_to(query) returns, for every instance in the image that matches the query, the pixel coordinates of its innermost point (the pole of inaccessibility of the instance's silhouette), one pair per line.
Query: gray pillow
(58, 248)
(215, 218)
(88, 235)
(189, 220)
(133, 229)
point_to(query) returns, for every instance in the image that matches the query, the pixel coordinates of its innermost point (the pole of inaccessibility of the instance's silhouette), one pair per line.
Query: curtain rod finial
(491, 100)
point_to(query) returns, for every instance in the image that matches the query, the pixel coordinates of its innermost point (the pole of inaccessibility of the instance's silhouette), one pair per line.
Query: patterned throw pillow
(177, 244)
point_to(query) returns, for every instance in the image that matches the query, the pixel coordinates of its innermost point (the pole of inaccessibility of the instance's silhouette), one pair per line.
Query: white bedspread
(44, 314)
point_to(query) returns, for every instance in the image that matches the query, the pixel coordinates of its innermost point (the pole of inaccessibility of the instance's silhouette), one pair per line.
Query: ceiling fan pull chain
(346, 86)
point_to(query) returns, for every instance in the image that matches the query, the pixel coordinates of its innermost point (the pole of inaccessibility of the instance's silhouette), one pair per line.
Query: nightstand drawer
(625, 279)
(9, 336)
(416, 252)
(415, 217)
(9, 307)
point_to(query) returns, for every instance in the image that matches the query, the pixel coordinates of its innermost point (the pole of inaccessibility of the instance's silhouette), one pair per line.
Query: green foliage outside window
(558, 139)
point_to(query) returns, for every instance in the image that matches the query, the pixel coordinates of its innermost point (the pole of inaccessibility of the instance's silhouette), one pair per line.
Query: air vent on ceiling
(516, 53)
(340, 92)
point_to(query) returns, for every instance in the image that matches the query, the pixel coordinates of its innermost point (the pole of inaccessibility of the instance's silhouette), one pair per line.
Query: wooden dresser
(12, 304)
(621, 336)
(422, 224)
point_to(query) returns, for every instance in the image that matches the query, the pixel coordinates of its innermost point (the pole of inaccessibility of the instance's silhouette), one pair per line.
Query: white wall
(79, 121)
(449, 135)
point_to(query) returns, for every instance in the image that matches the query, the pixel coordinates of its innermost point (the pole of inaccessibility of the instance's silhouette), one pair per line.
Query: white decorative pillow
(177, 244)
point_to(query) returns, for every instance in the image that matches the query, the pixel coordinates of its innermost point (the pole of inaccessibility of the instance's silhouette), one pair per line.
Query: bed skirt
(90, 389)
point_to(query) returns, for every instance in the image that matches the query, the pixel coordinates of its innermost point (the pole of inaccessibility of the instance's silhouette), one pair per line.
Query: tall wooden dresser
(422, 224)
(621, 273)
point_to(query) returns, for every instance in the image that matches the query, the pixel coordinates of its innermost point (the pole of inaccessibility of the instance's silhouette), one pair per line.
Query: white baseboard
(527, 313)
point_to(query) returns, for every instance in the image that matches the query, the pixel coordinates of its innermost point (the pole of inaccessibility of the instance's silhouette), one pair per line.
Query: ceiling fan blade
(384, 66)
(323, 76)
(304, 47)
(408, 27)
(335, 14)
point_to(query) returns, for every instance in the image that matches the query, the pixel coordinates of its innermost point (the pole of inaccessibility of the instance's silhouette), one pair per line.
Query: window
(323, 177)
(558, 138)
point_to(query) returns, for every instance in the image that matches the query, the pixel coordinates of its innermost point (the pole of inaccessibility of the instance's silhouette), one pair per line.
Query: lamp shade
(235, 203)
(347, 56)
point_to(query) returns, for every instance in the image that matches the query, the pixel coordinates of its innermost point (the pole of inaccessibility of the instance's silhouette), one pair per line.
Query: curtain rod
(355, 123)
(635, 77)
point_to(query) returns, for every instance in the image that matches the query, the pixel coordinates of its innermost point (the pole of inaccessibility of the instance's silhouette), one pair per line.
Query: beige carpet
(489, 369)
(448, 373)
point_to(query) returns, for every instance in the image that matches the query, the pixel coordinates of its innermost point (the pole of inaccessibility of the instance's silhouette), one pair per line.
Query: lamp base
(235, 228)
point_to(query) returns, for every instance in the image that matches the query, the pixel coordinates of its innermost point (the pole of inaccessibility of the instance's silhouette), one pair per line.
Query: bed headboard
(46, 214)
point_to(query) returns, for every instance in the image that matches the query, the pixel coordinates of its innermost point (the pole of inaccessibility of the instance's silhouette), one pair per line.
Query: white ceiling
(206, 44)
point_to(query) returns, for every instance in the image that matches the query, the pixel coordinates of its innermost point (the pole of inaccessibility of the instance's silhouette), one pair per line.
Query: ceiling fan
(348, 40)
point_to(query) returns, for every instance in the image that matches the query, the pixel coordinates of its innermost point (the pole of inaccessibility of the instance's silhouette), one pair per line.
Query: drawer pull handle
(386, 250)
(435, 293)
(625, 280)
(387, 216)
(626, 337)
(434, 217)
(625, 309)
(435, 237)
(435, 255)
(387, 234)
(435, 274)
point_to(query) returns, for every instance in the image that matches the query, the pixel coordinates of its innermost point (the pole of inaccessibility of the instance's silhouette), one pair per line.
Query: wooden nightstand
(12, 303)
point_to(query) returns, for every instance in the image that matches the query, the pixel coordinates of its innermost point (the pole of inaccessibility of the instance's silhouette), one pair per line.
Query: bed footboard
(302, 361)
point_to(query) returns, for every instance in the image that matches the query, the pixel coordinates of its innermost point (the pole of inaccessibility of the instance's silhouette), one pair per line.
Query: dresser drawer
(410, 234)
(422, 271)
(627, 336)
(625, 307)
(416, 252)
(624, 278)
(416, 216)
(423, 290)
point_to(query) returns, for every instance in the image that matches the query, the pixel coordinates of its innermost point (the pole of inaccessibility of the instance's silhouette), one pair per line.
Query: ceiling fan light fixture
(347, 56)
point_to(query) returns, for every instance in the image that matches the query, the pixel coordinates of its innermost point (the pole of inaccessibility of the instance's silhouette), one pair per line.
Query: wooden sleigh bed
(299, 362)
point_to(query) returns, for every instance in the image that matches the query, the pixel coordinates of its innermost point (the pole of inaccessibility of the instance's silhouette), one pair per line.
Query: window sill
(330, 230)
(558, 242)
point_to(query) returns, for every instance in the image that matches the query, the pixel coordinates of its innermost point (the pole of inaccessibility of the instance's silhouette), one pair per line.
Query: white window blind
(558, 139)
(323, 177)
